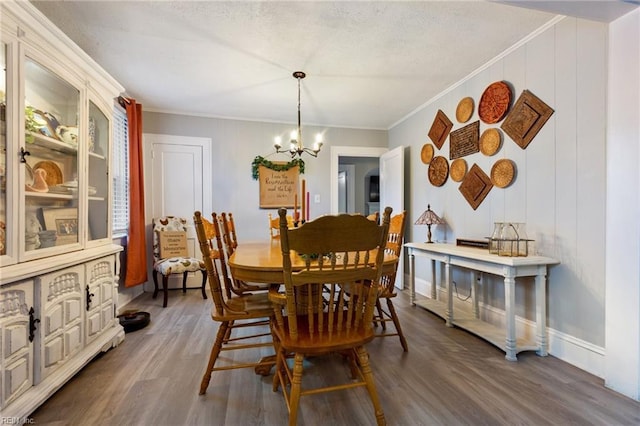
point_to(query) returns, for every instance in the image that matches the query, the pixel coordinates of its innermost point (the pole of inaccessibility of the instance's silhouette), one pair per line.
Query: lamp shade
(429, 218)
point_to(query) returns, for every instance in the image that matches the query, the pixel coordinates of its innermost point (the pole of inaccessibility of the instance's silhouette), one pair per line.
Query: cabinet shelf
(50, 195)
(97, 156)
(42, 142)
(54, 196)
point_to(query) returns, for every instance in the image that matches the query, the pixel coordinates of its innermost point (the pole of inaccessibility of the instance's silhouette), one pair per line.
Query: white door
(392, 193)
(177, 183)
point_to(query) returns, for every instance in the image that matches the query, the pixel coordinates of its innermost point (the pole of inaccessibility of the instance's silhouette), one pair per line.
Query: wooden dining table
(261, 262)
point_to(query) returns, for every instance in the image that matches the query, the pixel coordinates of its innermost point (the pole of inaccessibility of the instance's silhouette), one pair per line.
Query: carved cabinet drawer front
(16, 346)
(100, 294)
(61, 301)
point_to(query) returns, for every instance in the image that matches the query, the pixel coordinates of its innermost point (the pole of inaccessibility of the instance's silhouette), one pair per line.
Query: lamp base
(429, 233)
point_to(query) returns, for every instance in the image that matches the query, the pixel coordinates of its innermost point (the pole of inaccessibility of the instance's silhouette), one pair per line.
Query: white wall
(559, 190)
(622, 301)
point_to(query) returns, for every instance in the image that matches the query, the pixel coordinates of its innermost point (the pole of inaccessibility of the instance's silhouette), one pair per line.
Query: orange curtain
(136, 263)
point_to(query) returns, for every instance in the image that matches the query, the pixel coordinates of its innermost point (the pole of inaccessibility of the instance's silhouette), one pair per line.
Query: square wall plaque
(475, 186)
(464, 141)
(526, 119)
(440, 129)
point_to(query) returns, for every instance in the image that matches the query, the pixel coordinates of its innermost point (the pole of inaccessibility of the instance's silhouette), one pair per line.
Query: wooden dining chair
(274, 225)
(386, 287)
(173, 263)
(230, 310)
(230, 240)
(313, 317)
(229, 236)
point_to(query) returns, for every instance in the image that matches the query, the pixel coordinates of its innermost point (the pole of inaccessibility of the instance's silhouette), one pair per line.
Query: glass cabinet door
(98, 169)
(3, 149)
(50, 158)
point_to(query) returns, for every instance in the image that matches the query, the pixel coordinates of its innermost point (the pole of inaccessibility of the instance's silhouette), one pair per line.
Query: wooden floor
(448, 377)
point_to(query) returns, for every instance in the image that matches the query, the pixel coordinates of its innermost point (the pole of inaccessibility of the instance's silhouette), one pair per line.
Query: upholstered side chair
(179, 264)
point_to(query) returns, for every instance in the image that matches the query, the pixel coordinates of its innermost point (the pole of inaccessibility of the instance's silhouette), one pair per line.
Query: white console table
(481, 260)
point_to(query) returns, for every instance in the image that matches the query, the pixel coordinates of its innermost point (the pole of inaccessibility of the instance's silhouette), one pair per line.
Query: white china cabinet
(58, 265)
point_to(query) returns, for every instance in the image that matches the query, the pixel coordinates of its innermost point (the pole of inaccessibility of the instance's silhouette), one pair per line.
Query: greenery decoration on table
(279, 167)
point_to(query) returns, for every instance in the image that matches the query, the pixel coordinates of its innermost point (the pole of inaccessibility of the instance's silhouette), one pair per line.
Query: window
(120, 172)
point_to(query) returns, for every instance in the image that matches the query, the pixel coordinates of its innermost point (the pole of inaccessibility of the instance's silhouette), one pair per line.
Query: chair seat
(325, 342)
(249, 306)
(178, 265)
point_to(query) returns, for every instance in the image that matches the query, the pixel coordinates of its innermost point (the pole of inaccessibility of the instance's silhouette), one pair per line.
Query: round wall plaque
(458, 169)
(503, 172)
(490, 141)
(427, 153)
(438, 171)
(464, 111)
(494, 102)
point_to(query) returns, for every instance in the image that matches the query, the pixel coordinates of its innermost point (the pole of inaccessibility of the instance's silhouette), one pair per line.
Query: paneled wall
(559, 189)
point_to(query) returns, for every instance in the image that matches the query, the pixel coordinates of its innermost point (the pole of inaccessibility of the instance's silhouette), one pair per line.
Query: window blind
(120, 172)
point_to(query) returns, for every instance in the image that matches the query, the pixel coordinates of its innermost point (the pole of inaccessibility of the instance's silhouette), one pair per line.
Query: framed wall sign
(278, 188)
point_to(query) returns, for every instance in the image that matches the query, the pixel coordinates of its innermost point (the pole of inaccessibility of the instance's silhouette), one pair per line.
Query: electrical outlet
(316, 198)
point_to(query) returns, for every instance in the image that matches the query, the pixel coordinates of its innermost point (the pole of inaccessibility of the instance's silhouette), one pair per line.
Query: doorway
(338, 152)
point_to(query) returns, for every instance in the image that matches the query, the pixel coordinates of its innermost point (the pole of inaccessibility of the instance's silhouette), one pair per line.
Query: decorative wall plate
(427, 153)
(526, 119)
(438, 171)
(494, 102)
(503, 172)
(464, 141)
(490, 141)
(475, 186)
(458, 169)
(54, 174)
(440, 129)
(464, 111)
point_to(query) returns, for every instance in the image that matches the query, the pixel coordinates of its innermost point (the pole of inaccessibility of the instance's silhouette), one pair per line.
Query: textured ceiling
(368, 63)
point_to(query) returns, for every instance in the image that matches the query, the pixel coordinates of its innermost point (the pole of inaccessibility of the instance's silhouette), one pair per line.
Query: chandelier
(296, 147)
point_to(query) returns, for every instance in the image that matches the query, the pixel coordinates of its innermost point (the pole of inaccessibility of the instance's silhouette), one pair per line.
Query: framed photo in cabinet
(64, 221)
